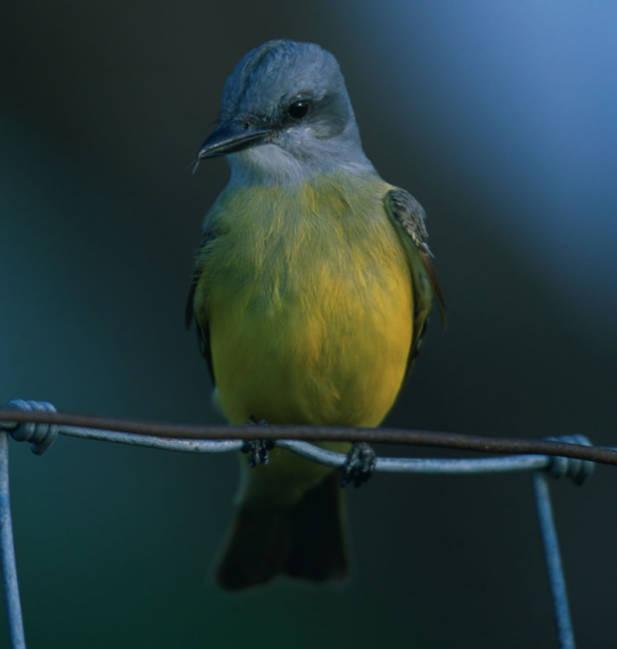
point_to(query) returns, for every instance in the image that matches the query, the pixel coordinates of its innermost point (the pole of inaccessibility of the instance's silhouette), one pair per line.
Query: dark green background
(499, 117)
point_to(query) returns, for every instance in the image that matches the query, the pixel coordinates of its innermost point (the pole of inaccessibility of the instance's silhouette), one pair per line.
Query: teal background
(499, 117)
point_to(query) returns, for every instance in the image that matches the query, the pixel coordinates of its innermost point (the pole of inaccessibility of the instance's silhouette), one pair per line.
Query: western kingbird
(311, 293)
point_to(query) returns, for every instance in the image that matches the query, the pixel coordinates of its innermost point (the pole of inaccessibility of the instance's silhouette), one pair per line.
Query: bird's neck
(271, 165)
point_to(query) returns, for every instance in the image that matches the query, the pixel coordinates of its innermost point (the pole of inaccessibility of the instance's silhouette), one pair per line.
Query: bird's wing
(201, 324)
(409, 220)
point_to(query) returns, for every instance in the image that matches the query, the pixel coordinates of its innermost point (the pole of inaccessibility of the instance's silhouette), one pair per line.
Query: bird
(311, 292)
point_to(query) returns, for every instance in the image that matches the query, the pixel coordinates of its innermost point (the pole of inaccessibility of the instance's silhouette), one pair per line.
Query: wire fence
(40, 424)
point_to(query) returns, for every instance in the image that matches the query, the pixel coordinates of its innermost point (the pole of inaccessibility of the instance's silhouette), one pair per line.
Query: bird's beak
(231, 137)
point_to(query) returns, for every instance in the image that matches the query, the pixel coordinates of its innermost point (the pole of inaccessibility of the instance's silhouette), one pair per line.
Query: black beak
(231, 137)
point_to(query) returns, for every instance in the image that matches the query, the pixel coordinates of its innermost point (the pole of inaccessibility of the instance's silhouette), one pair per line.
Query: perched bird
(311, 292)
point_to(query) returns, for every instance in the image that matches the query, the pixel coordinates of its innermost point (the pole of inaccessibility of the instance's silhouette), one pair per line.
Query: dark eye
(299, 109)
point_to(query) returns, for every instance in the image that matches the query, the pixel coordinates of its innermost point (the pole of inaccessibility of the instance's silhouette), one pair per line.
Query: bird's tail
(305, 540)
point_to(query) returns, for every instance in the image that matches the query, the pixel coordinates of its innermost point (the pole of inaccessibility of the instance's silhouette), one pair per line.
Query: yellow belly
(309, 305)
(337, 361)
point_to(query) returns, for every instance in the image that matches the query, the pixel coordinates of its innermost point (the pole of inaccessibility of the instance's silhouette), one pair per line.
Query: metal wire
(509, 464)
(484, 444)
(40, 424)
(7, 549)
(512, 463)
(552, 556)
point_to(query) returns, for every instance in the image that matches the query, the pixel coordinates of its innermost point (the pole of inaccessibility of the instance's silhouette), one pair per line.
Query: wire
(9, 418)
(552, 556)
(7, 550)
(39, 424)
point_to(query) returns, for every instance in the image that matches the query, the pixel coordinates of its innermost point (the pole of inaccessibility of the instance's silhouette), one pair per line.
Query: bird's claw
(359, 465)
(257, 449)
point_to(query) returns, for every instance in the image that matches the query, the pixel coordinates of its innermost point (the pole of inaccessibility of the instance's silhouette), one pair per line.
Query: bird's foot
(257, 449)
(359, 465)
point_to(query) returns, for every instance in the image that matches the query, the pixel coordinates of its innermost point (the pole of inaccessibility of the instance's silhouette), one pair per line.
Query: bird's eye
(299, 109)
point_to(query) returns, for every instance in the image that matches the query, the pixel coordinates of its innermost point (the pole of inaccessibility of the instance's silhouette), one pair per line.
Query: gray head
(286, 114)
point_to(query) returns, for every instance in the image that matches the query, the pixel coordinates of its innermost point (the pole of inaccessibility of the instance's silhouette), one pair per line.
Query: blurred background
(500, 119)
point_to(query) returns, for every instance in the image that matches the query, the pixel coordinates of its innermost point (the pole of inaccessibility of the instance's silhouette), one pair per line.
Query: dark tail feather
(257, 548)
(318, 549)
(305, 541)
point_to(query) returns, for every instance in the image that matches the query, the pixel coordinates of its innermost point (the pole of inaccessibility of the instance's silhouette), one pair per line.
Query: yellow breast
(308, 299)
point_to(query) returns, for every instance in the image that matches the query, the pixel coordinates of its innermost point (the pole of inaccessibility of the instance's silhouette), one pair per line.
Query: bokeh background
(500, 118)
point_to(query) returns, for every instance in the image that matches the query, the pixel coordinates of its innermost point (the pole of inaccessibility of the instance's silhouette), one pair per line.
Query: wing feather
(409, 220)
(201, 323)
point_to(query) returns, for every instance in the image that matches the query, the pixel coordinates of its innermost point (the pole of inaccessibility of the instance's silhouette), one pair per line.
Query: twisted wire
(571, 467)
(41, 435)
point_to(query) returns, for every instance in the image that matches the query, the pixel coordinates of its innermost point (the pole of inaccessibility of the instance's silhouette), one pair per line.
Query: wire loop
(40, 435)
(570, 467)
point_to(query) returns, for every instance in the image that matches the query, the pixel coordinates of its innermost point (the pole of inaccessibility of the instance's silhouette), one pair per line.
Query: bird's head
(286, 114)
